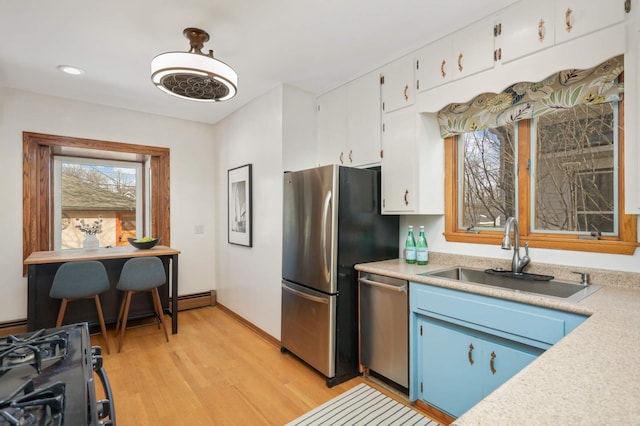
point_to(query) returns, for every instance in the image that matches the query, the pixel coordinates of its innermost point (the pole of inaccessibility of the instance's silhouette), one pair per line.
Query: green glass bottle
(422, 249)
(410, 247)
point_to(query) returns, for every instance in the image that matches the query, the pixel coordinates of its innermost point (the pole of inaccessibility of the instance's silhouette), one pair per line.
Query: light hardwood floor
(215, 371)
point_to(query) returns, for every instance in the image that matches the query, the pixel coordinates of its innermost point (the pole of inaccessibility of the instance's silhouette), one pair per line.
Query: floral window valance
(519, 101)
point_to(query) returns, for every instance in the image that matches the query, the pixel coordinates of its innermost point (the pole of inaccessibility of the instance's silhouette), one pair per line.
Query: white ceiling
(313, 45)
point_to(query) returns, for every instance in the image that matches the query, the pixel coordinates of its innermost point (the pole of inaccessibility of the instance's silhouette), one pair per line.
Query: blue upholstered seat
(81, 280)
(140, 274)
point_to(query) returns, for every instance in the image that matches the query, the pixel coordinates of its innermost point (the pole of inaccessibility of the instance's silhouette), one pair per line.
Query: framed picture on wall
(239, 205)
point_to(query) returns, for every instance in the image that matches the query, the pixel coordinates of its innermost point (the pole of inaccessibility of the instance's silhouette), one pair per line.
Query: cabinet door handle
(491, 363)
(406, 197)
(442, 65)
(541, 31)
(350, 156)
(406, 89)
(460, 61)
(567, 20)
(341, 158)
(470, 354)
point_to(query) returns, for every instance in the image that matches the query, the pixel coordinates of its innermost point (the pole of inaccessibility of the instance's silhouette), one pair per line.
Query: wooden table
(42, 266)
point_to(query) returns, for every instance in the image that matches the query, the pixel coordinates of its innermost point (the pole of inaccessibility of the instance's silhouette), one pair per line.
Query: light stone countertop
(591, 377)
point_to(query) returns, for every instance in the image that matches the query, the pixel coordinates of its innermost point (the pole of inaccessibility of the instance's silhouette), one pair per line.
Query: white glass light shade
(194, 76)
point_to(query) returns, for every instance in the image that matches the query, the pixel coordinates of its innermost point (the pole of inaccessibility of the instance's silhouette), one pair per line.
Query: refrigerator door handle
(305, 295)
(384, 286)
(325, 217)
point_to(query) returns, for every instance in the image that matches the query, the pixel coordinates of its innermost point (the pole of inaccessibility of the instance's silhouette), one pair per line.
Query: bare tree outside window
(488, 177)
(558, 172)
(575, 174)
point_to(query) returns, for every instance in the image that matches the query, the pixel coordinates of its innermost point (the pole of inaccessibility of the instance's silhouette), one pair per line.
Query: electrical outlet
(198, 229)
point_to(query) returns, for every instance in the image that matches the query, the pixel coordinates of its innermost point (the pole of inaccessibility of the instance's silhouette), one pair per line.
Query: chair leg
(120, 313)
(158, 306)
(63, 308)
(156, 309)
(125, 314)
(101, 319)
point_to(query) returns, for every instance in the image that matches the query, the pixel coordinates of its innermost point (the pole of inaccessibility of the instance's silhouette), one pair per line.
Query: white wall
(248, 279)
(299, 129)
(192, 178)
(434, 229)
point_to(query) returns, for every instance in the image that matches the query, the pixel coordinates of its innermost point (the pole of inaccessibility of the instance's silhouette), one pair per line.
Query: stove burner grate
(28, 406)
(32, 350)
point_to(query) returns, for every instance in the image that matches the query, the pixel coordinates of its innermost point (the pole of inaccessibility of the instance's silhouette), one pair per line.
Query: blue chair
(81, 280)
(140, 274)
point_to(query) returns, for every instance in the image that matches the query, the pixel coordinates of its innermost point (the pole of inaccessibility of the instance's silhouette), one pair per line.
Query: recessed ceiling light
(68, 69)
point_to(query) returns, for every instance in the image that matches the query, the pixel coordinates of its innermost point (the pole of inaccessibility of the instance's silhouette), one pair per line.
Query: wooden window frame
(37, 185)
(625, 243)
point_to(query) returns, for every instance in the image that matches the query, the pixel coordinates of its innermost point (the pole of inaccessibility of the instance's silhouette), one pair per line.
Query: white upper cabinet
(363, 120)
(412, 163)
(332, 126)
(473, 48)
(434, 65)
(399, 162)
(524, 28)
(461, 54)
(528, 26)
(575, 18)
(349, 123)
(398, 87)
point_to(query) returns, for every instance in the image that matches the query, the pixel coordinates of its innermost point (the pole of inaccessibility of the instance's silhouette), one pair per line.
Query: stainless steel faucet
(517, 264)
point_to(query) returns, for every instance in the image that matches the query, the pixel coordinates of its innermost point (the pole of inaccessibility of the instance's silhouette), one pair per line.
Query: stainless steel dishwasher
(384, 327)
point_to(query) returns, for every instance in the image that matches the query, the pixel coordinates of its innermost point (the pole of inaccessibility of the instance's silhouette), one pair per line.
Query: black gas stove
(47, 378)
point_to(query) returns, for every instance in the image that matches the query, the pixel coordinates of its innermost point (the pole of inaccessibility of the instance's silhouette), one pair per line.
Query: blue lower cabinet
(458, 367)
(463, 346)
(502, 361)
(447, 380)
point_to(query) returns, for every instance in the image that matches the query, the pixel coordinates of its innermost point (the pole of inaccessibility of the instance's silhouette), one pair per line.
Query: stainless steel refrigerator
(331, 221)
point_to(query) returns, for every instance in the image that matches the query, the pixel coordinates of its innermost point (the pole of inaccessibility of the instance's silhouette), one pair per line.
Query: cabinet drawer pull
(567, 19)
(350, 156)
(442, 65)
(470, 354)
(341, 158)
(406, 88)
(460, 61)
(491, 363)
(406, 197)
(541, 31)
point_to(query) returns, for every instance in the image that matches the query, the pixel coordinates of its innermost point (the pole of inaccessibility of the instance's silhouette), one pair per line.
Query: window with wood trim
(38, 162)
(560, 175)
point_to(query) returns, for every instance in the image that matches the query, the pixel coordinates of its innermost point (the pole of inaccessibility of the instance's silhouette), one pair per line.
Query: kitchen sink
(523, 283)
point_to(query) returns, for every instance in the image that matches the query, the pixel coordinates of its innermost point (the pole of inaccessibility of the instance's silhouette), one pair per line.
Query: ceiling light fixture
(71, 70)
(194, 75)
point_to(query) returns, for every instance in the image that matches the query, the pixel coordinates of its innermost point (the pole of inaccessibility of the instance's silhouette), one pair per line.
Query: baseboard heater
(197, 300)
